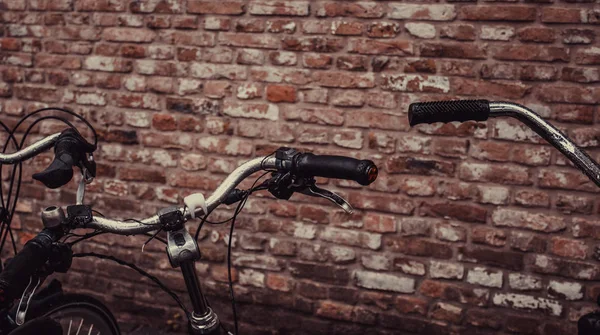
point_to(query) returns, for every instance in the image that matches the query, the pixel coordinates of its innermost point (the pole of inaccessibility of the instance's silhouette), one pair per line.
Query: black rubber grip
(448, 111)
(15, 276)
(363, 172)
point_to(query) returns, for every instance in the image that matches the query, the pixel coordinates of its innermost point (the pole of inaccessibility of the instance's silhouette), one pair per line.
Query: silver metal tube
(153, 223)
(30, 151)
(550, 134)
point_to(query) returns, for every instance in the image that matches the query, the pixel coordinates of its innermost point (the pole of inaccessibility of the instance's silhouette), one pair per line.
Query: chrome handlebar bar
(153, 223)
(30, 151)
(550, 134)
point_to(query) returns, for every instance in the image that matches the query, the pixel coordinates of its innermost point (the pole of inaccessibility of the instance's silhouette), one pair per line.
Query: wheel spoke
(70, 324)
(78, 329)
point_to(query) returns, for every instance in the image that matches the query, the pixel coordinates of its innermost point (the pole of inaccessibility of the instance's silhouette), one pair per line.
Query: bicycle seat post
(183, 252)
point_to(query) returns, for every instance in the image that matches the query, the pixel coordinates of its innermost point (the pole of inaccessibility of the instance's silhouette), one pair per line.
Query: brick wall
(470, 229)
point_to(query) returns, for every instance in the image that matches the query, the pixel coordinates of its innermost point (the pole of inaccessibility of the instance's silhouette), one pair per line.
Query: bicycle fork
(183, 252)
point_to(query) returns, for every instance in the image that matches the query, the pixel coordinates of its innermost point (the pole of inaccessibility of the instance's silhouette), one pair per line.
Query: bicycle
(291, 172)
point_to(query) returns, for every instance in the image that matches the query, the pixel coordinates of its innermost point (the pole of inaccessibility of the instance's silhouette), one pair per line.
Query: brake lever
(314, 191)
(26, 299)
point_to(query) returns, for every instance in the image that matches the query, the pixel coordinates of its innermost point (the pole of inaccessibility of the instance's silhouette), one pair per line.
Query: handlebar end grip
(368, 174)
(448, 111)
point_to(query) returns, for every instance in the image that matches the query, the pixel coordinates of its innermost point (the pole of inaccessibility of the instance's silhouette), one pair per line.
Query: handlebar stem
(550, 134)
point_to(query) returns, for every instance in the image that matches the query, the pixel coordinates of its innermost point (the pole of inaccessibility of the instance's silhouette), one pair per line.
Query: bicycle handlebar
(480, 110)
(364, 172)
(152, 223)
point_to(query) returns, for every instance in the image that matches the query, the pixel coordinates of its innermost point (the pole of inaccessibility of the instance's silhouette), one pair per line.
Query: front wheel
(80, 314)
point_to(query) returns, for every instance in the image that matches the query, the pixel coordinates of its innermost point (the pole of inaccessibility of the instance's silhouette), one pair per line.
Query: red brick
(458, 211)
(316, 115)
(139, 174)
(250, 26)
(281, 93)
(532, 53)
(578, 36)
(130, 100)
(346, 28)
(316, 61)
(589, 56)
(383, 29)
(272, 7)
(158, 22)
(504, 259)
(493, 151)
(498, 13)
(55, 61)
(418, 247)
(538, 73)
(567, 248)
(537, 34)
(484, 319)
(446, 312)
(460, 32)
(164, 122)
(283, 58)
(352, 63)
(133, 51)
(382, 47)
(382, 203)
(581, 75)
(314, 44)
(36, 93)
(187, 38)
(128, 35)
(432, 12)
(561, 15)
(513, 175)
(570, 94)
(453, 50)
(101, 5)
(10, 44)
(217, 7)
(489, 236)
(357, 9)
(279, 26)
(344, 80)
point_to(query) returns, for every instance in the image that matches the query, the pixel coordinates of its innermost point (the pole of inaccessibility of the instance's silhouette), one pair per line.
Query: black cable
(79, 117)
(140, 271)
(231, 293)
(86, 236)
(238, 210)
(151, 238)
(8, 218)
(95, 211)
(16, 144)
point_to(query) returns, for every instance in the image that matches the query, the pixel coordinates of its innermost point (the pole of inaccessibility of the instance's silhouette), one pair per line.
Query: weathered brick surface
(473, 228)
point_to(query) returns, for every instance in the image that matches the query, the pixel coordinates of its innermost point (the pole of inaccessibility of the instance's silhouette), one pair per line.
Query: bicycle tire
(77, 313)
